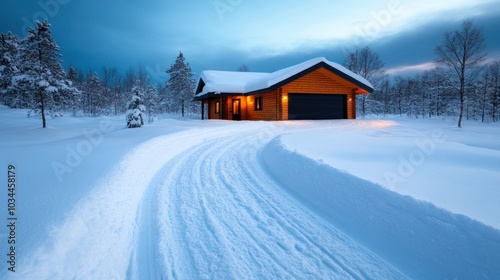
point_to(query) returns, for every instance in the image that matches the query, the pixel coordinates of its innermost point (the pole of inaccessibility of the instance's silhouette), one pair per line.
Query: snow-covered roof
(217, 82)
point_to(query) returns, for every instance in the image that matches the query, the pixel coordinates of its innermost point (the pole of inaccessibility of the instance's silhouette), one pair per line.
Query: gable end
(309, 70)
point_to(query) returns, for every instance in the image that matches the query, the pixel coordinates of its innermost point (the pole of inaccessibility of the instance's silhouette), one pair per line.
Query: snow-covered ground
(191, 199)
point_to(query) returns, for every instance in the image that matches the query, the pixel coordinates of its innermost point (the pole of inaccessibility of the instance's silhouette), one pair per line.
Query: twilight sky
(266, 35)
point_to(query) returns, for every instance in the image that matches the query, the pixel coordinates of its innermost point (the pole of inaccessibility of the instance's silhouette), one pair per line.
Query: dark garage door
(317, 106)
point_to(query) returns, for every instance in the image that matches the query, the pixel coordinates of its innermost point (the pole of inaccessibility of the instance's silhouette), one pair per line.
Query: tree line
(32, 77)
(463, 85)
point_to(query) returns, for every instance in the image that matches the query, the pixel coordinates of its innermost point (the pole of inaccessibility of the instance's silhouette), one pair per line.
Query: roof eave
(211, 95)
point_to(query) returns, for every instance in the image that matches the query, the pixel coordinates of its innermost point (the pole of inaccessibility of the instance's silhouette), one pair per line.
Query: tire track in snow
(99, 236)
(222, 216)
(219, 215)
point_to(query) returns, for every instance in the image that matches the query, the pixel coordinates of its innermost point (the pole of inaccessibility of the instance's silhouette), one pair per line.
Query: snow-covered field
(188, 199)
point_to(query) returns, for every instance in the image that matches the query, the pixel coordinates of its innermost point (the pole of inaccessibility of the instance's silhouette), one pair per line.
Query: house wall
(275, 103)
(228, 107)
(211, 109)
(269, 110)
(351, 105)
(320, 81)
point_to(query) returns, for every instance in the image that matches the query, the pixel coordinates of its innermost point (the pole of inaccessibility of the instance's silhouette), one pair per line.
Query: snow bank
(431, 160)
(422, 240)
(97, 238)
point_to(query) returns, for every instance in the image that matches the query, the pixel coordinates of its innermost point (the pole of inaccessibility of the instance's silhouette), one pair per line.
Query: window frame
(258, 103)
(217, 107)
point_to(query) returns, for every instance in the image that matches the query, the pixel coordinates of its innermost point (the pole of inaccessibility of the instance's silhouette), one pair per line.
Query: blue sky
(265, 35)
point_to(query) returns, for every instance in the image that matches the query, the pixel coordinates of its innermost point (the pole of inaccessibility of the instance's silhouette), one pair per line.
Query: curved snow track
(222, 216)
(198, 204)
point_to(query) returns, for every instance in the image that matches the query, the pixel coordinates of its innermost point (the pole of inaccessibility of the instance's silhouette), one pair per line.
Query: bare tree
(243, 68)
(367, 64)
(461, 54)
(494, 75)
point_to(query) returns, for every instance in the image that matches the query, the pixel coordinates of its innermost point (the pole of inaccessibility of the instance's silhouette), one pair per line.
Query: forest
(464, 84)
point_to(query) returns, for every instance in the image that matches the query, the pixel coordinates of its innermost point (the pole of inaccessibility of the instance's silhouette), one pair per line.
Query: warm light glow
(217, 107)
(350, 99)
(285, 97)
(380, 123)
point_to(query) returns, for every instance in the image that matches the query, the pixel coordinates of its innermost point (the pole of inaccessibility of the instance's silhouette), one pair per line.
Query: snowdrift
(422, 240)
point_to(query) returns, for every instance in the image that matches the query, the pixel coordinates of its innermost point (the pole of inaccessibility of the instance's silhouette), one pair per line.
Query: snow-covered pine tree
(494, 95)
(93, 94)
(164, 101)
(135, 107)
(181, 83)
(72, 75)
(75, 102)
(41, 76)
(9, 45)
(152, 102)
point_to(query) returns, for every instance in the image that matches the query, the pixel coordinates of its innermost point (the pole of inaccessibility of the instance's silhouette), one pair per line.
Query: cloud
(265, 35)
(411, 69)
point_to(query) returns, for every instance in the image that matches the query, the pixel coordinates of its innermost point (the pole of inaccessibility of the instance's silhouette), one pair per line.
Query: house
(315, 89)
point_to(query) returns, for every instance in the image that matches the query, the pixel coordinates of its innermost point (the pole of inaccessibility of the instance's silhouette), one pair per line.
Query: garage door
(317, 106)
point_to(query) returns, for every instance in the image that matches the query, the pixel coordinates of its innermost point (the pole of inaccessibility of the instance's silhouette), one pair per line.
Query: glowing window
(217, 107)
(258, 104)
(236, 106)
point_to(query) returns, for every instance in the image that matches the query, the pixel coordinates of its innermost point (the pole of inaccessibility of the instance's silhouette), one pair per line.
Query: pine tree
(41, 76)
(181, 83)
(135, 107)
(93, 101)
(152, 103)
(75, 101)
(494, 85)
(164, 101)
(9, 45)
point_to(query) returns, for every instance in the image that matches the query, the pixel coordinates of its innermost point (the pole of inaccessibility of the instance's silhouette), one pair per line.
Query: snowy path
(222, 217)
(198, 204)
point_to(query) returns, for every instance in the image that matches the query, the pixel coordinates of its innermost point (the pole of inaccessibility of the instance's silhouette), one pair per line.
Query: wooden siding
(351, 105)
(227, 107)
(275, 103)
(269, 107)
(321, 81)
(212, 115)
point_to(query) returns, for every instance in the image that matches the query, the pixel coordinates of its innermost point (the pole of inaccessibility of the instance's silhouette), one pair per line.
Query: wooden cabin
(315, 89)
